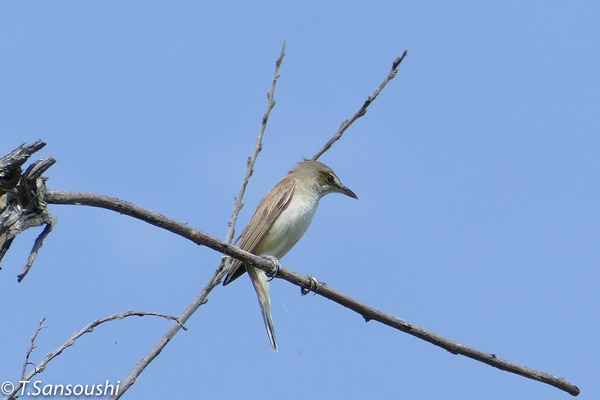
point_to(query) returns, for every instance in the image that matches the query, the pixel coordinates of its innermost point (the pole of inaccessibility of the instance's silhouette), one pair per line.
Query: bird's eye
(330, 178)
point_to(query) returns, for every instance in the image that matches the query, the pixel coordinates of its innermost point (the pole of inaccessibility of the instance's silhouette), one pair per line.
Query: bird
(280, 220)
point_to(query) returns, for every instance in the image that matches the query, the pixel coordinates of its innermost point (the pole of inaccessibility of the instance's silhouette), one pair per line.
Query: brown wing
(266, 213)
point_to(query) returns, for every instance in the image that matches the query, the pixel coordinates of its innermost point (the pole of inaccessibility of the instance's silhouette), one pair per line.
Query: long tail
(261, 285)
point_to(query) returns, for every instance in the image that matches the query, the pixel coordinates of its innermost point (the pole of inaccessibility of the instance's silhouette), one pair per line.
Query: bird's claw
(314, 286)
(275, 261)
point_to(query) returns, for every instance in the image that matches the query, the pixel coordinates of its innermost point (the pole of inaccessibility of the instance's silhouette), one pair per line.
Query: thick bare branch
(10, 164)
(20, 204)
(305, 282)
(363, 110)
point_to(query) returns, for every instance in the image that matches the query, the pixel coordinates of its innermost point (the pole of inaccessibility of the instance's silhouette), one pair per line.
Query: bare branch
(10, 164)
(237, 206)
(363, 110)
(39, 242)
(87, 329)
(225, 261)
(32, 346)
(368, 312)
(21, 206)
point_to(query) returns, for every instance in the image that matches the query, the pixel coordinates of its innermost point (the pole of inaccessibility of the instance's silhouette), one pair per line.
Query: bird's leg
(275, 261)
(314, 286)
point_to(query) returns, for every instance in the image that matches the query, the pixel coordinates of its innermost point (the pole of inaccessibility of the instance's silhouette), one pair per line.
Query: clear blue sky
(477, 172)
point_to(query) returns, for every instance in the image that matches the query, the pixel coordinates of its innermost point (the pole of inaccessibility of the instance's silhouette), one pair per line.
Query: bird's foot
(314, 286)
(275, 261)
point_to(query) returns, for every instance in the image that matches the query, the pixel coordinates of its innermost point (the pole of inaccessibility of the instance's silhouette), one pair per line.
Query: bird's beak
(347, 192)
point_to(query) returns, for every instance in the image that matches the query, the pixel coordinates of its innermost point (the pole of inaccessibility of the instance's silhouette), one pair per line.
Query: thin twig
(225, 261)
(32, 346)
(237, 205)
(368, 312)
(363, 110)
(87, 329)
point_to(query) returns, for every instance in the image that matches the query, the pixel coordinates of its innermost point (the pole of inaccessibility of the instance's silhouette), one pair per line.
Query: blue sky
(476, 171)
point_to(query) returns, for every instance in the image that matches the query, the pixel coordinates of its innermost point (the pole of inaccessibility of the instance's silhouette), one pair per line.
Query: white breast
(291, 224)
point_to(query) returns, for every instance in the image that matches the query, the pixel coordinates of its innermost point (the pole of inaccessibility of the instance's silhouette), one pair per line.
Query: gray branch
(21, 206)
(87, 329)
(237, 206)
(32, 347)
(225, 261)
(363, 110)
(305, 282)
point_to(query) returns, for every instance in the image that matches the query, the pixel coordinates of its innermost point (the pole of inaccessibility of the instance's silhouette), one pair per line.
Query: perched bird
(280, 220)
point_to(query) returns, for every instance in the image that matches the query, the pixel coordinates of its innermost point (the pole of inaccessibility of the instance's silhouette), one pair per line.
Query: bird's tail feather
(261, 285)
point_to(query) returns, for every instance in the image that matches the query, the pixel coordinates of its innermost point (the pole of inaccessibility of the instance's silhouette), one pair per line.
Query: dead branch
(225, 261)
(363, 109)
(32, 347)
(304, 281)
(87, 329)
(21, 204)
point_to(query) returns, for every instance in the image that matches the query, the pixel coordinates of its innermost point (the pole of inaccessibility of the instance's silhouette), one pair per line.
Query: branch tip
(362, 111)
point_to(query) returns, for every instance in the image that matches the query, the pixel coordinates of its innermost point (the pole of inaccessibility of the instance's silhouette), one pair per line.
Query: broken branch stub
(21, 199)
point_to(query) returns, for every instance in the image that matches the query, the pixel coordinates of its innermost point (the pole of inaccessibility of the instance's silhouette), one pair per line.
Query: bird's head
(323, 179)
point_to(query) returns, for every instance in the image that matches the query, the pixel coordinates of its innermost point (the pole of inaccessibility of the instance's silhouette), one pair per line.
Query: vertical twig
(218, 275)
(32, 346)
(237, 205)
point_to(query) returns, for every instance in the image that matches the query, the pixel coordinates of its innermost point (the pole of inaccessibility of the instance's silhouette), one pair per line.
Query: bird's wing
(265, 215)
